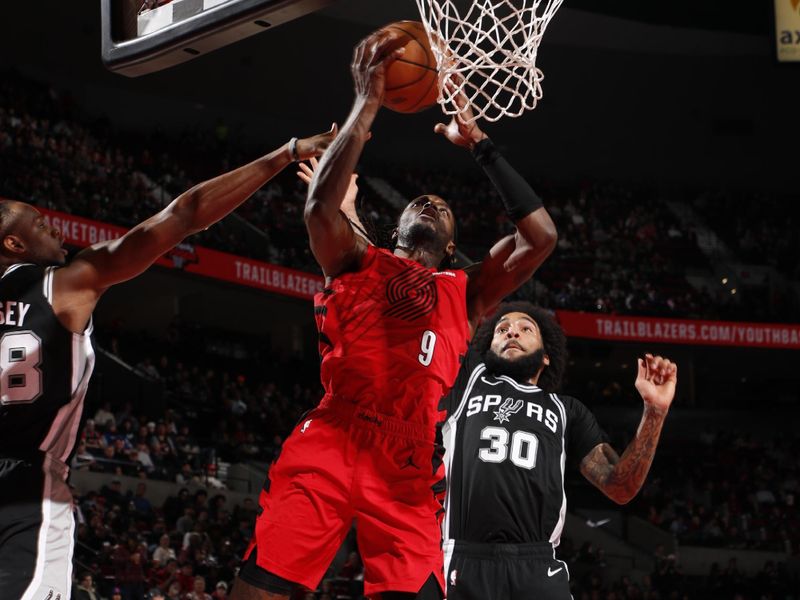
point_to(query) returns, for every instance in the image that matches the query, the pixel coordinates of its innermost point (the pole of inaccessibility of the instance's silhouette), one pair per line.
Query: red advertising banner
(679, 331)
(196, 259)
(281, 280)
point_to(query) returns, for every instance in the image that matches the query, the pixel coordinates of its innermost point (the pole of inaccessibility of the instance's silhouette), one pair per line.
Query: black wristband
(518, 197)
(485, 152)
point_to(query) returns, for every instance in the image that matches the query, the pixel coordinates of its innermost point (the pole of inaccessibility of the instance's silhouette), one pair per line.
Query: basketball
(411, 81)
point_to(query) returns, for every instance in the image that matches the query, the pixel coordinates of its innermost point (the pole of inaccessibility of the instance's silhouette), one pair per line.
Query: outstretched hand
(314, 146)
(656, 381)
(462, 130)
(306, 172)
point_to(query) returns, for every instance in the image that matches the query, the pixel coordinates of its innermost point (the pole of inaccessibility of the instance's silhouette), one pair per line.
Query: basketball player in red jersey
(392, 328)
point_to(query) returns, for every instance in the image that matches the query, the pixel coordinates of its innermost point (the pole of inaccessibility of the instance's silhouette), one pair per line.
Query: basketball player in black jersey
(46, 357)
(508, 438)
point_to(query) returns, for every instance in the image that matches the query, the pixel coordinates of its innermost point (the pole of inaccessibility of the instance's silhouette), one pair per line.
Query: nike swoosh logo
(599, 523)
(550, 571)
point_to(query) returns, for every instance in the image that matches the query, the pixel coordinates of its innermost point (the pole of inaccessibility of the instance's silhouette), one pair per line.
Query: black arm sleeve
(518, 196)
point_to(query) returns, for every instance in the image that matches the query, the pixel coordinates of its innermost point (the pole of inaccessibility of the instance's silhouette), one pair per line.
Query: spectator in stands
(186, 475)
(140, 502)
(91, 436)
(174, 592)
(104, 417)
(220, 591)
(163, 552)
(84, 590)
(186, 578)
(82, 458)
(185, 523)
(198, 590)
(167, 575)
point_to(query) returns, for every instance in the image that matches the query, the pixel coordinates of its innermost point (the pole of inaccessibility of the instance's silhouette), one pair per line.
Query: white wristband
(293, 149)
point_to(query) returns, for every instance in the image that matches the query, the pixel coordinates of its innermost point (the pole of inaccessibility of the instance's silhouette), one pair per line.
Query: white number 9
(426, 346)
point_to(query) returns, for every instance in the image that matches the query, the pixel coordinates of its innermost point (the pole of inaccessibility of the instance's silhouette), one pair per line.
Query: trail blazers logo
(411, 294)
(508, 408)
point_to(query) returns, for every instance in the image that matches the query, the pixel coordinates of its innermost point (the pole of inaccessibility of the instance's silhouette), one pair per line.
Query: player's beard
(521, 369)
(420, 235)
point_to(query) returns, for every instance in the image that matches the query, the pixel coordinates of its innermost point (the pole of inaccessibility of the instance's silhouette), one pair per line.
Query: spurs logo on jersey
(509, 407)
(533, 410)
(506, 448)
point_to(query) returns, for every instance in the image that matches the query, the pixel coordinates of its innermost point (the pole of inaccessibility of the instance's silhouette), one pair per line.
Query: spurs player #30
(509, 437)
(392, 327)
(46, 358)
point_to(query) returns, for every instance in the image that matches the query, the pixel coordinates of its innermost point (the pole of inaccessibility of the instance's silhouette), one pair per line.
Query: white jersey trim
(449, 547)
(60, 439)
(555, 537)
(520, 386)
(52, 576)
(47, 285)
(566, 568)
(14, 267)
(449, 431)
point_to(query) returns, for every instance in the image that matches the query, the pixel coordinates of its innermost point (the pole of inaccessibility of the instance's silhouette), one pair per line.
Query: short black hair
(553, 340)
(382, 236)
(5, 215)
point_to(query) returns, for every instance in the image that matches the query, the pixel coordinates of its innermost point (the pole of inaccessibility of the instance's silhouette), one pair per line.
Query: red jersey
(392, 335)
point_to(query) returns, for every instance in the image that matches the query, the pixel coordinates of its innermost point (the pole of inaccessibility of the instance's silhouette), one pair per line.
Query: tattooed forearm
(621, 478)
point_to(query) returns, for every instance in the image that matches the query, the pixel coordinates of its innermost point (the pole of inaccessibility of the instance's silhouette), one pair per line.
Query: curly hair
(553, 340)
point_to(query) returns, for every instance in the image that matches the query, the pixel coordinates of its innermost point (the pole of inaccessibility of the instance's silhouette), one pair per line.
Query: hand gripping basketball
(371, 58)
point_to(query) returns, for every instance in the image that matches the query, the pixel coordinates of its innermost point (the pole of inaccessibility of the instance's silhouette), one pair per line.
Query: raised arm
(78, 286)
(513, 259)
(334, 244)
(305, 171)
(621, 478)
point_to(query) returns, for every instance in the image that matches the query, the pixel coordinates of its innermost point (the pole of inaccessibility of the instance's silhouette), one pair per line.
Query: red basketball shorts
(344, 463)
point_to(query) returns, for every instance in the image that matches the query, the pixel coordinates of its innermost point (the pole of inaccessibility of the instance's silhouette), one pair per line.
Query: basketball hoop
(487, 52)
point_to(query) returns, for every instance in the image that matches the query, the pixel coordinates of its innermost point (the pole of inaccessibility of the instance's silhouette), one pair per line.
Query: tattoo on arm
(621, 478)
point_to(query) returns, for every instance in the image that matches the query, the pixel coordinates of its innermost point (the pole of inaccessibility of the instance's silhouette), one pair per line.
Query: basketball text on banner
(81, 232)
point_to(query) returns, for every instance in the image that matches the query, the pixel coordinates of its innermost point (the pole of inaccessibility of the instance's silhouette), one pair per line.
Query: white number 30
(426, 346)
(20, 376)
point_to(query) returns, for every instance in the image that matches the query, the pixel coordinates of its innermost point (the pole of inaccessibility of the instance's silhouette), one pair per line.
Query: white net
(487, 52)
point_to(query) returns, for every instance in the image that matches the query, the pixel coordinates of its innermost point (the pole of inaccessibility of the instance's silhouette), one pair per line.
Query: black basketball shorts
(504, 572)
(36, 529)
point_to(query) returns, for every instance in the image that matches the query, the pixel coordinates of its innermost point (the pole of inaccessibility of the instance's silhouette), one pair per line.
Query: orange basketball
(411, 81)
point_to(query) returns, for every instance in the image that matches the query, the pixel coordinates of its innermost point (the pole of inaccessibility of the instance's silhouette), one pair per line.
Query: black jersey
(44, 368)
(506, 453)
